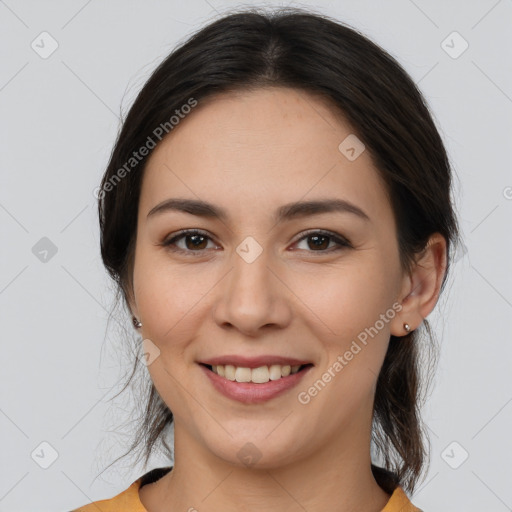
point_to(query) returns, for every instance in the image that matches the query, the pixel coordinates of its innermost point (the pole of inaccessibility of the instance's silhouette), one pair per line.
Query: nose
(253, 298)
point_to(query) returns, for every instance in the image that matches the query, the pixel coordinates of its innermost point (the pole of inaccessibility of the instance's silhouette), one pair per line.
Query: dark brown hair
(318, 55)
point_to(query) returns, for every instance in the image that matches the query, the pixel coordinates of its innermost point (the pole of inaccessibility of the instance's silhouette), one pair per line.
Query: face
(308, 287)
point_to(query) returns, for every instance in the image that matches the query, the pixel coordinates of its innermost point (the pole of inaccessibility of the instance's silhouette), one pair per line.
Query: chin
(259, 452)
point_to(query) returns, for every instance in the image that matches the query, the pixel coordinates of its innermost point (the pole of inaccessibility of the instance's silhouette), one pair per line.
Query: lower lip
(251, 393)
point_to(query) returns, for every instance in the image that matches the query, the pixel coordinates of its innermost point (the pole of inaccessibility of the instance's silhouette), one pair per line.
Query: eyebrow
(284, 213)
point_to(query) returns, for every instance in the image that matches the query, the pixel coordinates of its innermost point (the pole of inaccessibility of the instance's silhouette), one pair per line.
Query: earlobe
(422, 286)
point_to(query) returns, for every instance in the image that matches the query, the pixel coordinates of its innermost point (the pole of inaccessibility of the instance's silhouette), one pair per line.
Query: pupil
(195, 237)
(316, 238)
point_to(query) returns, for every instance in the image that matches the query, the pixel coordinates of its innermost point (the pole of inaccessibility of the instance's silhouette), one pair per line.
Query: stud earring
(407, 327)
(136, 323)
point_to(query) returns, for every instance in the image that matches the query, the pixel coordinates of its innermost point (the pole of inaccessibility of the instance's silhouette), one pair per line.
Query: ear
(130, 299)
(420, 289)
(133, 309)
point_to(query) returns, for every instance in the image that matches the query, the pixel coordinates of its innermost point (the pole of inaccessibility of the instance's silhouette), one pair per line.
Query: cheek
(355, 306)
(352, 298)
(167, 297)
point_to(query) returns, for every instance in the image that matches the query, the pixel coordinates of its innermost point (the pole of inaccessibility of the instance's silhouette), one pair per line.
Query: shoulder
(389, 482)
(127, 500)
(399, 502)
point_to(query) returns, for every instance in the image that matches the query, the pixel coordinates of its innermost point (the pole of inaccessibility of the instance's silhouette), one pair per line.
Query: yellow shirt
(128, 501)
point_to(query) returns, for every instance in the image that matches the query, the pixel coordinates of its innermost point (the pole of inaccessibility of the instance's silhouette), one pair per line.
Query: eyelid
(168, 241)
(341, 241)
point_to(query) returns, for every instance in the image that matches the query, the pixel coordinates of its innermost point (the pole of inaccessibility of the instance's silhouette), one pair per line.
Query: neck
(336, 478)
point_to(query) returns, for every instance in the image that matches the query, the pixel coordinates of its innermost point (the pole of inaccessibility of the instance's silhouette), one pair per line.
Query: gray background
(59, 117)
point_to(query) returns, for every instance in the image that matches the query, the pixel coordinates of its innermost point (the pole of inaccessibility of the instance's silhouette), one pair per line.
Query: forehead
(258, 148)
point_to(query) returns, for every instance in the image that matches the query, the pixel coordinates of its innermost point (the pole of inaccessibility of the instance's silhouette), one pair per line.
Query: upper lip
(253, 362)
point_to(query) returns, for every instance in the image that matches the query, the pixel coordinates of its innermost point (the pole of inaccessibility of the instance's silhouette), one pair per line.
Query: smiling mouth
(260, 375)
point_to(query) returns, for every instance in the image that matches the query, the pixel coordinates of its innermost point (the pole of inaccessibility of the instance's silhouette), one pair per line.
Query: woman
(277, 214)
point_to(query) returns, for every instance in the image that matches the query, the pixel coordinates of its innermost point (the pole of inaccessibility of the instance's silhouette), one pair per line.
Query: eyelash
(342, 242)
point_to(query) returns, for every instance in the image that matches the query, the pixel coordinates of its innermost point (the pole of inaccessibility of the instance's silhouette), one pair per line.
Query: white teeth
(229, 371)
(275, 372)
(258, 375)
(243, 374)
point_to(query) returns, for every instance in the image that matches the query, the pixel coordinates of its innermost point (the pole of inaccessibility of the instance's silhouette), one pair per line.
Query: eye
(196, 237)
(195, 241)
(319, 237)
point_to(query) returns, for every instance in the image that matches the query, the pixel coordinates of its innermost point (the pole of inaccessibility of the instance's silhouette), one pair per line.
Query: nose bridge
(250, 285)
